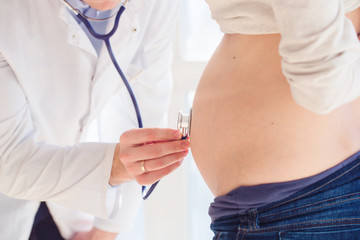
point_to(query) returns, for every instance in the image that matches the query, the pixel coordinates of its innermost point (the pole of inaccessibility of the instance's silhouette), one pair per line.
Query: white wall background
(168, 212)
(177, 210)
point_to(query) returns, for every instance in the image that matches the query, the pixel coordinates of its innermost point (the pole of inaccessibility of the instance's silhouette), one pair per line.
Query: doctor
(60, 93)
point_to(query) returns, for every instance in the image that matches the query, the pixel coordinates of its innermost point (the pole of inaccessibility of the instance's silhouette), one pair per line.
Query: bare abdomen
(246, 128)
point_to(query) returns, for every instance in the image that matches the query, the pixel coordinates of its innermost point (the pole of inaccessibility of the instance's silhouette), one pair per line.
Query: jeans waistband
(342, 176)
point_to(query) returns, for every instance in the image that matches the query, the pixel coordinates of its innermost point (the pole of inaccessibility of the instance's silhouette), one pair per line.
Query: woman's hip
(327, 209)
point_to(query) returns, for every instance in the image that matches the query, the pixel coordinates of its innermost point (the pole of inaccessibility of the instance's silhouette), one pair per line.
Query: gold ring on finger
(143, 169)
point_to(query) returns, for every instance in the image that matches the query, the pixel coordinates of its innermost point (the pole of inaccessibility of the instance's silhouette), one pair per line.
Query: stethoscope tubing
(106, 39)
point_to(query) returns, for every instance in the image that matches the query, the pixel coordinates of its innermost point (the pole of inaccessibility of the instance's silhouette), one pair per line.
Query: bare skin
(162, 151)
(103, 5)
(95, 234)
(247, 129)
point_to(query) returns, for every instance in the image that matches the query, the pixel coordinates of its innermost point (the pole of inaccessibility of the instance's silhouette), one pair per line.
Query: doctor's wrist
(119, 173)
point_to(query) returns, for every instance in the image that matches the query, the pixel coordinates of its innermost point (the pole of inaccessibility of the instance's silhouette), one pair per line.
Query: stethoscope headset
(106, 38)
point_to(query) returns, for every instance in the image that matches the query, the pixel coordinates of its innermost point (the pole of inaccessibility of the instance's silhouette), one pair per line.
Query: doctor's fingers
(154, 176)
(145, 166)
(146, 135)
(152, 151)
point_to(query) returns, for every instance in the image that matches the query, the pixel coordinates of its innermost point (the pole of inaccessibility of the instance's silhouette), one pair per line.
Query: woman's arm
(320, 53)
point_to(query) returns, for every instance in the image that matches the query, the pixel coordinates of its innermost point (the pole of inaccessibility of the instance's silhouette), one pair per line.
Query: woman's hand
(147, 155)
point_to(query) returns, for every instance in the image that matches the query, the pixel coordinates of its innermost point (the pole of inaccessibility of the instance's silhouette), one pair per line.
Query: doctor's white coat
(53, 87)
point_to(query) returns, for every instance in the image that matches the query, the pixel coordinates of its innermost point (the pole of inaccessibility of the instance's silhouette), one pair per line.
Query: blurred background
(177, 209)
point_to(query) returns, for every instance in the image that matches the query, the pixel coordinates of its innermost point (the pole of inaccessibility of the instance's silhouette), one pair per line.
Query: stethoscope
(106, 38)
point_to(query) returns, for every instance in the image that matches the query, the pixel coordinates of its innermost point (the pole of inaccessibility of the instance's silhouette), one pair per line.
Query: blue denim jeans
(326, 210)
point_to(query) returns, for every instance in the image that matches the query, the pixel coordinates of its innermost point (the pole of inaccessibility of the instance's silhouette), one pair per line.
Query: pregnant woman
(276, 120)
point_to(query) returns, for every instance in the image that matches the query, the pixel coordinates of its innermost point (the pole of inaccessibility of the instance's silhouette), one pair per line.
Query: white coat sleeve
(152, 88)
(74, 176)
(130, 200)
(320, 53)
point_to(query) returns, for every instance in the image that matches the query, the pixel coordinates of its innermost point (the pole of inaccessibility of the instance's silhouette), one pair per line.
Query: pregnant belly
(246, 128)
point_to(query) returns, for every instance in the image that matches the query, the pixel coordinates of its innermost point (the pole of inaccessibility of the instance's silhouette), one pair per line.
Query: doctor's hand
(147, 155)
(94, 234)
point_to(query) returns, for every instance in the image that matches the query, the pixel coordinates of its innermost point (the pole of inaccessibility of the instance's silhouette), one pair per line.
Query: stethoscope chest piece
(184, 124)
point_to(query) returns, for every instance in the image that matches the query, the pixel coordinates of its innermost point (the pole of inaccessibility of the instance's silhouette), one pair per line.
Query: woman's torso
(246, 127)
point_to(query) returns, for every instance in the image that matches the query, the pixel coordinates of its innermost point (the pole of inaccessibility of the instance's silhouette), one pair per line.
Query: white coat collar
(128, 23)
(76, 36)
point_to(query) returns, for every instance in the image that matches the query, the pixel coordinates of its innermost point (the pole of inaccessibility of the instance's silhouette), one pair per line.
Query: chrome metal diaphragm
(184, 124)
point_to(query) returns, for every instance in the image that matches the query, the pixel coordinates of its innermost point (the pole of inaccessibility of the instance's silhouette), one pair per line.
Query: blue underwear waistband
(243, 198)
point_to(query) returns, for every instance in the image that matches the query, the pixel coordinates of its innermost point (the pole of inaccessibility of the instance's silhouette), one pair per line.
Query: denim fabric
(328, 209)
